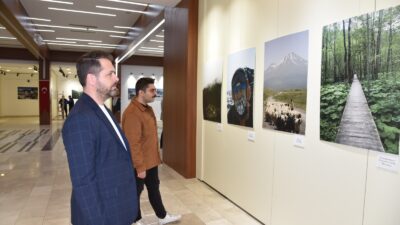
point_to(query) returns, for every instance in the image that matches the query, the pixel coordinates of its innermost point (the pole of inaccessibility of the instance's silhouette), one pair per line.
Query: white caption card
(251, 136)
(299, 141)
(220, 127)
(388, 162)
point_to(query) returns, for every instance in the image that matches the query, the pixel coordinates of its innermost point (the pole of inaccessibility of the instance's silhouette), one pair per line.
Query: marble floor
(35, 186)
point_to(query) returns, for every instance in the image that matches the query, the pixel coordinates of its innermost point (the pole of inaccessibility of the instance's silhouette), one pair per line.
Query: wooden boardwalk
(357, 127)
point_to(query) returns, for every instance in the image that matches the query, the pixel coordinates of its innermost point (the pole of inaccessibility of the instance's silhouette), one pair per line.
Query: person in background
(101, 170)
(71, 103)
(140, 127)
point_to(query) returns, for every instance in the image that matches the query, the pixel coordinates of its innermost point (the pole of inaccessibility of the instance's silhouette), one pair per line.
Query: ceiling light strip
(126, 2)
(129, 28)
(90, 46)
(80, 11)
(62, 27)
(161, 36)
(61, 2)
(11, 38)
(119, 9)
(148, 50)
(37, 19)
(56, 41)
(153, 40)
(76, 39)
(141, 40)
(43, 30)
(107, 31)
(2, 28)
(123, 37)
(112, 45)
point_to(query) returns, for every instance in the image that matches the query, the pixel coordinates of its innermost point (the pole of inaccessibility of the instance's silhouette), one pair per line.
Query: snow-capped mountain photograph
(285, 83)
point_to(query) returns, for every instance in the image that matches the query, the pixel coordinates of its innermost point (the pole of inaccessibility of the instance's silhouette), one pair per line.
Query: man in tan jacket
(140, 127)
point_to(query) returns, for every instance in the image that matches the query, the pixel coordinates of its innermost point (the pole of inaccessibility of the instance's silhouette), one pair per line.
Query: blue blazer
(101, 169)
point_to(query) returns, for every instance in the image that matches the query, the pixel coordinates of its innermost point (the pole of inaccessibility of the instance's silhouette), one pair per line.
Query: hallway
(35, 186)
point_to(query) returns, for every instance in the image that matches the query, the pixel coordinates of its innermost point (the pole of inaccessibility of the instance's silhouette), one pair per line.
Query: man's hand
(142, 175)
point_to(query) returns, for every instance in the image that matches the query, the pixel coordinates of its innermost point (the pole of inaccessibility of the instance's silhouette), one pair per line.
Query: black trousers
(152, 183)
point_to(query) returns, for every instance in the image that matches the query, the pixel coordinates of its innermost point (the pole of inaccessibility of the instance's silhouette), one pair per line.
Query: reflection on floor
(35, 186)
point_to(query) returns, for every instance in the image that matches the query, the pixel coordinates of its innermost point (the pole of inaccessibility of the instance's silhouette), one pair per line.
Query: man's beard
(240, 105)
(106, 94)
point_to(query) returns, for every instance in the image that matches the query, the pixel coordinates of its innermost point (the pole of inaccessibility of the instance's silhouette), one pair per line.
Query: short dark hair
(89, 63)
(142, 84)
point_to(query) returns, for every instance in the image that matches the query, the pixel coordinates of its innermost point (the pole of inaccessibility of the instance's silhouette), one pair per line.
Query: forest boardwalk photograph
(360, 81)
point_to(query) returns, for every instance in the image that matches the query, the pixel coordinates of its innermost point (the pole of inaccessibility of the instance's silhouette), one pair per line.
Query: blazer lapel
(100, 114)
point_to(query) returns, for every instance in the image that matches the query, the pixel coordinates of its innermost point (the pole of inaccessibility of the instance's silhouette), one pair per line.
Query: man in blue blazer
(102, 174)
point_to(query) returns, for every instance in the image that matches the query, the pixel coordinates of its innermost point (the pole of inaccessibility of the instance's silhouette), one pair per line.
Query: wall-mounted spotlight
(76, 76)
(35, 68)
(28, 80)
(17, 74)
(31, 74)
(62, 72)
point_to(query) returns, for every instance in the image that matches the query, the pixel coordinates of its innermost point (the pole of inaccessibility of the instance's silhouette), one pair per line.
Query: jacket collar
(96, 108)
(138, 104)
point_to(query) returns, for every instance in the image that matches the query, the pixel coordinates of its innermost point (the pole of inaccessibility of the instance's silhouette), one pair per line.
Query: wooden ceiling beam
(13, 18)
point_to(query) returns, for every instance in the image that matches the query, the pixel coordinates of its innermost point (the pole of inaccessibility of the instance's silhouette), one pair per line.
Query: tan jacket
(140, 127)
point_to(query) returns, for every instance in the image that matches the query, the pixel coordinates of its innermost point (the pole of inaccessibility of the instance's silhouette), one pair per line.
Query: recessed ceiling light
(29, 68)
(112, 45)
(129, 28)
(153, 40)
(90, 46)
(107, 31)
(11, 38)
(43, 30)
(76, 39)
(38, 19)
(80, 11)
(123, 37)
(69, 42)
(61, 27)
(61, 2)
(119, 9)
(148, 50)
(126, 2)
(8, 70)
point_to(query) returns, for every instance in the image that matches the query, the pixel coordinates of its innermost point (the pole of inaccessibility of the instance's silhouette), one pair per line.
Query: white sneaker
(169, 219)
(140, 222)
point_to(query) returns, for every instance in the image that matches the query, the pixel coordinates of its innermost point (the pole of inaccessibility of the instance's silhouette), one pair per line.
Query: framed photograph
(285, 83)
(241, 66)
(360, 88)
(212, 84)
(27, 92)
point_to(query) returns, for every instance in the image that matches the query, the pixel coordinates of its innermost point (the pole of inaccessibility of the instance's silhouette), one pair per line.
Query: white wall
(62, 86)
(53, 95)
(129, 76)
(10, 104)
(280, 184)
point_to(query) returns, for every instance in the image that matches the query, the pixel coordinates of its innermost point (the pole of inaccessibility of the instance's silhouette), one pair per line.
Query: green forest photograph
(360, 81)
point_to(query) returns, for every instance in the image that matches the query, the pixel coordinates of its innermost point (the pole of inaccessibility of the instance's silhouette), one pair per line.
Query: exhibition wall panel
(276, 182)
(13, 99)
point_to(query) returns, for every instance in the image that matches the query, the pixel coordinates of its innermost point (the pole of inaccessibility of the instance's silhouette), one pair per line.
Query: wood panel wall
(180, 75)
